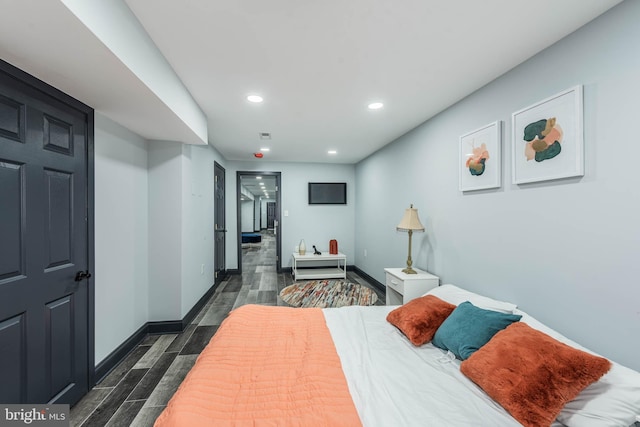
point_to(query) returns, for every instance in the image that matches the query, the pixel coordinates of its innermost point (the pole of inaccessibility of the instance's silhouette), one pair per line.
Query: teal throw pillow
(468, 328)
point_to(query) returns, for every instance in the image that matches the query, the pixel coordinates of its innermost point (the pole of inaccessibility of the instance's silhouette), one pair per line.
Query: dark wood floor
(138, 389)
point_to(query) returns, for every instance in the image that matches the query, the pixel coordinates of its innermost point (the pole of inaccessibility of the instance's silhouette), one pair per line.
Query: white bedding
(394, 383)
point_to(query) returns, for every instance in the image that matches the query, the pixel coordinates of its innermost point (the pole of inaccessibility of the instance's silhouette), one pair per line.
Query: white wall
(197, 255)
(181, 200)
(121, 235)
(154, 231)
(165, 230)
(119, 29)
(246, 216)
(315, 224)
(257, 206)
(566, 251)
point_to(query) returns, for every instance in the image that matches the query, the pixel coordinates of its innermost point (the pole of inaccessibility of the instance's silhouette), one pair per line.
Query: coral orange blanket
(273, 366)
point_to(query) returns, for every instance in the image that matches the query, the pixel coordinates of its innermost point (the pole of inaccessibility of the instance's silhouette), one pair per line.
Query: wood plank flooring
(138, 389)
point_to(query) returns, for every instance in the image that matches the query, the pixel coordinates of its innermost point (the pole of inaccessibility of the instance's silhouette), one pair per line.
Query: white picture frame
(479, 159)
(547, 138)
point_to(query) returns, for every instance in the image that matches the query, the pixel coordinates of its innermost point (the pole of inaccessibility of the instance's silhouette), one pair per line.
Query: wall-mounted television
(327, 193)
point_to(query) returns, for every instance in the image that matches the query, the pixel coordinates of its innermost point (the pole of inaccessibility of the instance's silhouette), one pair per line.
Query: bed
(251, 238)
(279, 366)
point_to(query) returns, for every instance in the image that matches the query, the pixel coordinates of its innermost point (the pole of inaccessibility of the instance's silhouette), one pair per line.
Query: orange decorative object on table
(333, 247)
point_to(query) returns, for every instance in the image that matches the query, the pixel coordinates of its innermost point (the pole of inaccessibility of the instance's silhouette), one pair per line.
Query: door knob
(81, 275)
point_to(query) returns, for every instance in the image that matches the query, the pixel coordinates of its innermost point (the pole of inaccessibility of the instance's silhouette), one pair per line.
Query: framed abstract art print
(547, 139)
(479, 158)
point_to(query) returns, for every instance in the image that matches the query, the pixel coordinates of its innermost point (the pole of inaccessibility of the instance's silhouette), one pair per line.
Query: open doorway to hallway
(259, 237)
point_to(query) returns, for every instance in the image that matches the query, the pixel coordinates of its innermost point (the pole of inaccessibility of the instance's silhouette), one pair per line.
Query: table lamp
(410, 223)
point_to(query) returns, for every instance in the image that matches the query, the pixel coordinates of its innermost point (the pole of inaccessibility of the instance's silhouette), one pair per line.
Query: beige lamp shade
(410, 221)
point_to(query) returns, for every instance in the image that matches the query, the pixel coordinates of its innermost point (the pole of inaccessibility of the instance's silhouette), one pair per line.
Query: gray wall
(566, 251)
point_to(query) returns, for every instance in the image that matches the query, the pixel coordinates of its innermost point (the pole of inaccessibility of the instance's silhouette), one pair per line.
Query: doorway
(46, 242)
(255, 191)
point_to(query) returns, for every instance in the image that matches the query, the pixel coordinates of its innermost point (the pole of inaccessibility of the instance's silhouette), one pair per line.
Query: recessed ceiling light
(376, 105)
(264, 149)
(254, 98)
(332, 152)
(258, 177)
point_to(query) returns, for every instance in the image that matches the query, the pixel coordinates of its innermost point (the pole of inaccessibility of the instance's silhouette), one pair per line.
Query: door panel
(44, 312)
(13, 360)
(12, 260)
(11, 119)
(220, 223)
(59, 218)
(59, 324)
(58, 135)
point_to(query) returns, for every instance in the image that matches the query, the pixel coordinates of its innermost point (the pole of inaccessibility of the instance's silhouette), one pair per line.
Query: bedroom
(583, 283)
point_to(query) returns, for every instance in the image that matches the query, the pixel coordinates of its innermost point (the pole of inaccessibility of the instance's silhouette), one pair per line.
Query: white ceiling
(318, 64)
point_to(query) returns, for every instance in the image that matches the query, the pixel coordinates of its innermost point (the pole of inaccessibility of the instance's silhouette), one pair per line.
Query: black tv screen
(327, 193)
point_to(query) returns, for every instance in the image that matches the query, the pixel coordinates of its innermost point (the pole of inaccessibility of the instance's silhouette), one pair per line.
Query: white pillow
(456, 295)
(613, 400)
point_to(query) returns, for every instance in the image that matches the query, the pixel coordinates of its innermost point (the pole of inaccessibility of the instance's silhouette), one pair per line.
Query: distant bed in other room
(251, 238)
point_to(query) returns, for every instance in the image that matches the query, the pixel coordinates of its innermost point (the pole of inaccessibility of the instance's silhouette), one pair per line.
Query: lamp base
(409, 270)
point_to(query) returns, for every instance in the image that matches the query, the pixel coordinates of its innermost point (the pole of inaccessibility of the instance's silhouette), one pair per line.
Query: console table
(332, 266)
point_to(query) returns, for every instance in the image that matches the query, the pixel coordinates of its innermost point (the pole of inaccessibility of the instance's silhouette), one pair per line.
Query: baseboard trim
(165, 327)
(197, 307)
(382, 288)
(116, 356)
(160, 327)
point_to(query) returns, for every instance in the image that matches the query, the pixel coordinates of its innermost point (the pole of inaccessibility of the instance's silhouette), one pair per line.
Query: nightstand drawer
(395, 284)
(402, 287)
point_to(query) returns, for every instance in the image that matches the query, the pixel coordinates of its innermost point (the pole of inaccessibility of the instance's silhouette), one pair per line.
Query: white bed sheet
(394, 383)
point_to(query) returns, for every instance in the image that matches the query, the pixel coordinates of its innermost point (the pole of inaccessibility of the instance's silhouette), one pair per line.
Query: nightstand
(402, 287)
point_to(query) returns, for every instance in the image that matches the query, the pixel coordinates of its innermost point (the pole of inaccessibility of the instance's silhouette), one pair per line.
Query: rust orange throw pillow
(531, 374)
(420, 318)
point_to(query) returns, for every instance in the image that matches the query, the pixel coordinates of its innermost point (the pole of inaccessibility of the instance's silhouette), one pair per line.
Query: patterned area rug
(327, 293)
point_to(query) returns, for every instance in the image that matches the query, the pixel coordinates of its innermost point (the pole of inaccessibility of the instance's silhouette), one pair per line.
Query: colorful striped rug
(327, 293)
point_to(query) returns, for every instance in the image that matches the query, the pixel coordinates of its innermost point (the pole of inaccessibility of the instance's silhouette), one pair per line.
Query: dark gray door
(220, 225)
(271, 214)
(44, 323)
